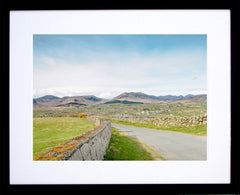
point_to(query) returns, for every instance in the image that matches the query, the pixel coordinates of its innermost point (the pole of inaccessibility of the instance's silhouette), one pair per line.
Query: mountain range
(127, 97)
(145, 98)
(67, 101)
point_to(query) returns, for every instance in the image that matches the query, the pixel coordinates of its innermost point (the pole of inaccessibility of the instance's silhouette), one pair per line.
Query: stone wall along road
(94, 148)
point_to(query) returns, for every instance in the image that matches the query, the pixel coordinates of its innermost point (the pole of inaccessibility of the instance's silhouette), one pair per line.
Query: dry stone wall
(91, 145)
(169, 120)
(95, 147)
(96, 120)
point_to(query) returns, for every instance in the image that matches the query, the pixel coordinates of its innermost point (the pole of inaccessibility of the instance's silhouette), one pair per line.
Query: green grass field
(200, 130)
(122, 147)
(48, 132)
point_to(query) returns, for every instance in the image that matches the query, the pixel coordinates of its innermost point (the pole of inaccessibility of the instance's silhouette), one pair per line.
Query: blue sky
(107, 65)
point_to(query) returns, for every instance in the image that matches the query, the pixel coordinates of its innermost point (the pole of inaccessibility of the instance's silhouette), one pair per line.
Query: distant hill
(142, 97)
(145, 98)
(46, 98)
(137, 97)
(196, 98)
(68, 101)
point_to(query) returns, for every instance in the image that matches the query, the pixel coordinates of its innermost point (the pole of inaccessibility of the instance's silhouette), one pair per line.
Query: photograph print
(109, 97)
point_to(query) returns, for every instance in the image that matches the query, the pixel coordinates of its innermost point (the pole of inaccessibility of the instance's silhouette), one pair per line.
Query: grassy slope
(122, 147)
(51, 131)
(200, 130)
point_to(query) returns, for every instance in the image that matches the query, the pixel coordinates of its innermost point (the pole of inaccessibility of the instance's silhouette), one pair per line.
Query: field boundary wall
(167, 120)
(94, 148)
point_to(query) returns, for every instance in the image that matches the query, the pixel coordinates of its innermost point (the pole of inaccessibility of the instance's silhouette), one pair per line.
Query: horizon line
(120, 94)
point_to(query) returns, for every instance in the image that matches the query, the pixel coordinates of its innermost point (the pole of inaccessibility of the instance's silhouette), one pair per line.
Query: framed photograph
(120, 97)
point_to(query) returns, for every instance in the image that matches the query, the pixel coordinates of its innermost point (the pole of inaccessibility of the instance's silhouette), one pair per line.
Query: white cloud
(110, 75)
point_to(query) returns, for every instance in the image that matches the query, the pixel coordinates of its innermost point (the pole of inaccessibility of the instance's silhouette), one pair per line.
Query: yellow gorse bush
(82, 115)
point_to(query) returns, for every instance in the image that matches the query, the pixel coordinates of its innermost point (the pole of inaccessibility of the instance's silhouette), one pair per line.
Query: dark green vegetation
(122, 147)
(48, 132)
(200, 130)
(70, 104)
(122, 102)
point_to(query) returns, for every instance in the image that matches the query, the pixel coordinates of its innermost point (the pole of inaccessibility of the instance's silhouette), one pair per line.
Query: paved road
(171, 145)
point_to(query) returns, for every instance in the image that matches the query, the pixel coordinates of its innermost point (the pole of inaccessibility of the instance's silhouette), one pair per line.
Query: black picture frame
(232, 188)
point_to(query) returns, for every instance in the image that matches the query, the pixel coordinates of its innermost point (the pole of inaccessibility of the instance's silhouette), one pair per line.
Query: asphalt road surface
(170, 145)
